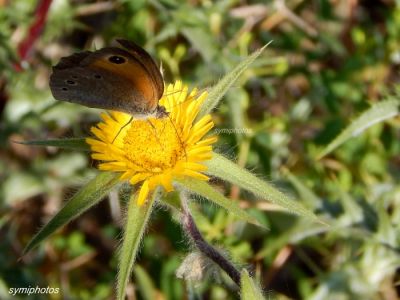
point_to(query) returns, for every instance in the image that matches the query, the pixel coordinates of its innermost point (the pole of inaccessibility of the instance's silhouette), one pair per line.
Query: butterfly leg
(177, 135)
(119, 131)
(155, 132)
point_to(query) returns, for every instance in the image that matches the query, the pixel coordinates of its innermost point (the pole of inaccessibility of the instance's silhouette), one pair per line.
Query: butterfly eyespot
(97, 76)
(64, 89)
(70, 82)
(116, 59)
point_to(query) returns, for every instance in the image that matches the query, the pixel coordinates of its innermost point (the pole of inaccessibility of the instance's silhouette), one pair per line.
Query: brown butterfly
(123, 78)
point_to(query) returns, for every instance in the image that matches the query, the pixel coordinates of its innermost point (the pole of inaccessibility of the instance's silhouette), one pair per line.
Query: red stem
(25, 47)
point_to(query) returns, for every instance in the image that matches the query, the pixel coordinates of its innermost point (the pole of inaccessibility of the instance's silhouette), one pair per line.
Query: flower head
(155, 151)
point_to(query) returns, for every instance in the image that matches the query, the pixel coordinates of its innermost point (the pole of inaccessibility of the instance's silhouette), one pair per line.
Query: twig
(285, 13)
(77, 262)
(290, 15)
(95, 8)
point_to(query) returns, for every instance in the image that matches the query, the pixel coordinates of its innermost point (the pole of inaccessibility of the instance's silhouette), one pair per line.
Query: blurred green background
(329, 60)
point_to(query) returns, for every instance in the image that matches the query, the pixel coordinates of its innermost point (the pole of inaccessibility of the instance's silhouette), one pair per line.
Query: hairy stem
(190, 227)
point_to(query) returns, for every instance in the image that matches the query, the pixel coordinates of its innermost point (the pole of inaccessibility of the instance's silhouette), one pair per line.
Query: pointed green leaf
(375, 114)
(144, 283)
(202, 41)
(248, 288)
(68, 143)
(137, 219)
(219, 90)
(204, 189)
(305, 193)
(88, 196)
(223, 168)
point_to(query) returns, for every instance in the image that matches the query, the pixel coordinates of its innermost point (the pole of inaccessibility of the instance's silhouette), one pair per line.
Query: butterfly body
(122, 79)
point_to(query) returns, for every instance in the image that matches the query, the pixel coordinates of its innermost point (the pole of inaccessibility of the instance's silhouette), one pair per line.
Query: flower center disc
(153, 144)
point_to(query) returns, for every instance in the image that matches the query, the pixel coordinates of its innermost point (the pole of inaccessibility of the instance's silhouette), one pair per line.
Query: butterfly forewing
(109, 78)
(96, 88)
(148, 62)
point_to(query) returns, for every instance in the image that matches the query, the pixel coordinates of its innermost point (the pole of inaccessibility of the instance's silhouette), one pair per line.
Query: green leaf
(223, 168)
(219, 90)
(137, 219)
(249, 289)
(202, 41)
(305, 193)
(70, 143)
(88, 196)
(375, 114)
(204, 189)
(144, 283)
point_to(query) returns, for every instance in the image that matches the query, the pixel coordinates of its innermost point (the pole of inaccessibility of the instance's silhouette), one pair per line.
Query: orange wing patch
(136, 74)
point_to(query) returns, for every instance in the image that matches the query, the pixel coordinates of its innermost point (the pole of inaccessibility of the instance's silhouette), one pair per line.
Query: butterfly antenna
(119, 131)
(155, 132)
(179, 91)
(161, 69)
(177, 134)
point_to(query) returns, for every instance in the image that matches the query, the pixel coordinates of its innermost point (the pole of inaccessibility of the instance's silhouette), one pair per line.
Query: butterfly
(124, 79)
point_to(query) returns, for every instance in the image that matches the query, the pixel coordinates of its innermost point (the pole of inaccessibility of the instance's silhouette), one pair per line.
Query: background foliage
(329, 61)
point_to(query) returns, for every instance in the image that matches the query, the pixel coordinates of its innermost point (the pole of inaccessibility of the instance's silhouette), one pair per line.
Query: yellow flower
(155, 151)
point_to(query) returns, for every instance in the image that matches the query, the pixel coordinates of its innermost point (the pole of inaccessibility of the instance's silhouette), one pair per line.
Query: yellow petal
(144, 192)
(127, 175)
(208, 141)
(194, 166)
(139, 177)
(195, 174)
(166, 182)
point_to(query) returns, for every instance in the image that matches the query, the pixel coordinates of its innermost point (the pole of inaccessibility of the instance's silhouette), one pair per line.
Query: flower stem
(35, 29)
(190, 227)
